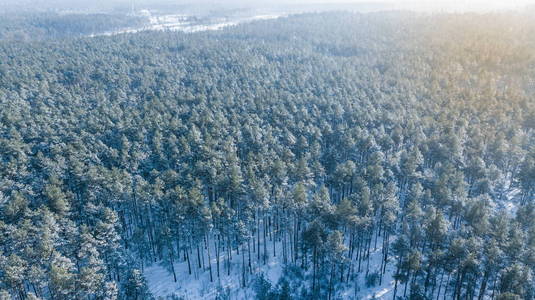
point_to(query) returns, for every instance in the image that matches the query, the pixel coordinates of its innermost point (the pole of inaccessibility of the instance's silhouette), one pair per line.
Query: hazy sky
(466, 4)
(435, 4)
(426, 5)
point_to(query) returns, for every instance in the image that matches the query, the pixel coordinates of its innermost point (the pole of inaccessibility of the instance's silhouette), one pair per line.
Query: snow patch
(190, 24)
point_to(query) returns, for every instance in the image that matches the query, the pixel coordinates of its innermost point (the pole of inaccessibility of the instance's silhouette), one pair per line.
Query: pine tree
(135, 287)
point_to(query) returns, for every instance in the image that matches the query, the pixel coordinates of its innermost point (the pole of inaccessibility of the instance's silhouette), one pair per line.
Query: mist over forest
(207, 5)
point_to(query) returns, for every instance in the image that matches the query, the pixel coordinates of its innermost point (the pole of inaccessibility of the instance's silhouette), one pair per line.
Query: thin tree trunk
(228, 257)
(187, 258)
(217, 252)
(249, 254)
(209, 261)
(407, 283)
(314, 263)
(439, 285)
(199, 256)
(265, 241)
(483, 287)
(171, 254)
(331, 282)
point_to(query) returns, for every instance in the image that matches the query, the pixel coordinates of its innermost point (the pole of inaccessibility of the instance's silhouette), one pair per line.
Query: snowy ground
(198, 286)
(383, 291)
(190, 24)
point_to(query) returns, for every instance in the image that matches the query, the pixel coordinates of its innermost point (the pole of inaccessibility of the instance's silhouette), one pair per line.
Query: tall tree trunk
(398, 270)
(407, 283)
(199, 256)
(439, 285)
(331, 280)
(483, 287)
(228, 257)
(171, 255)
(314, 263)
(187, 258)
(265, 241)
(448, 281)
(217, 253)
(243, 265)
(249, 254)
(258, 235)
(209, 261)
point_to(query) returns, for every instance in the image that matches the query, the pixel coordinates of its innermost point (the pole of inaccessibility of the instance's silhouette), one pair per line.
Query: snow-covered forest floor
(161, 282)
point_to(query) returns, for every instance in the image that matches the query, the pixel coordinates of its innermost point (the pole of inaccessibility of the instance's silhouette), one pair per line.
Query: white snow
(198, 286)
(383, 291)
(379, 294)
(184, 23)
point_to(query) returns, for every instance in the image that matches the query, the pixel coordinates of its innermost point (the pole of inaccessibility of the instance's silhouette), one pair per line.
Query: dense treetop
(321, 133)
(58, 26)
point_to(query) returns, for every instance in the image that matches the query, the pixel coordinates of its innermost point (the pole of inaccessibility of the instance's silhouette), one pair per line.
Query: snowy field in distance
(189, 23)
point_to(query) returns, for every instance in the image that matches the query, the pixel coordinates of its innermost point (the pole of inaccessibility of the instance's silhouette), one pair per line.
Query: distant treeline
(42, 26)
